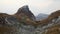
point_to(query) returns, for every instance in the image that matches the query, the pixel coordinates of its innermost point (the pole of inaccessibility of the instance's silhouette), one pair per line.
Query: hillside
(22, 23)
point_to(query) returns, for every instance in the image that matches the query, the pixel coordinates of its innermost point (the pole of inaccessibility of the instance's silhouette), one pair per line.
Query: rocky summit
(23, 22)
(24, 11)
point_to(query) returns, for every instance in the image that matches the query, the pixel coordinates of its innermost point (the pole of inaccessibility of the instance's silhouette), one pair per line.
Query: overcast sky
(36, 6)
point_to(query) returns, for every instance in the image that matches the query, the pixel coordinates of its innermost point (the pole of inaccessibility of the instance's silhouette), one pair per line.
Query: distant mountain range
(41, 16)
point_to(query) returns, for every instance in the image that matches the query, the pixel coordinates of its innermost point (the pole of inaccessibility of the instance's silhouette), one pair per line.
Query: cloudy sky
(36, 6)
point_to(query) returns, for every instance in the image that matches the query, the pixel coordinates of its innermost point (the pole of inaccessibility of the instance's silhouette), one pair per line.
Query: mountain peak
(24, 10)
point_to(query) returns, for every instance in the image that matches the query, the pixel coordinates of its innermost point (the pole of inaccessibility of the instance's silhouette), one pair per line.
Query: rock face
(24, 11)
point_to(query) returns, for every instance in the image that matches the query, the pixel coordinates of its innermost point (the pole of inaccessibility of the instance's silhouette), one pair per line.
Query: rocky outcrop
(25, 15)
(24, 11)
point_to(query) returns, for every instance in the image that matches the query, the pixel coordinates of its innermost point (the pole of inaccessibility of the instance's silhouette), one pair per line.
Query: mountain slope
(41, 16)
